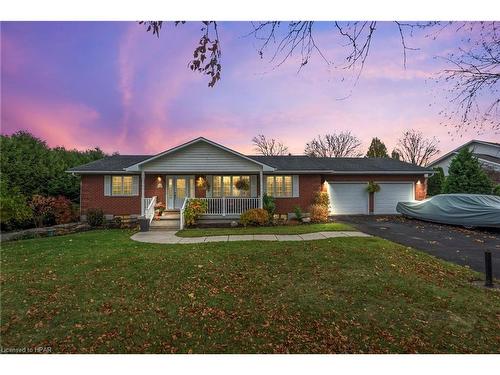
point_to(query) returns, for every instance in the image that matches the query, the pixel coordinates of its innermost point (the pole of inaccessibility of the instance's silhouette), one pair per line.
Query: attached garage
(348, 198)
(390, 194)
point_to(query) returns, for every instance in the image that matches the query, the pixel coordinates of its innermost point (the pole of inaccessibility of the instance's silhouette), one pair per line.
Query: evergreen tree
(395, 155)
(435, 182)
(377, 149)
(465, 175)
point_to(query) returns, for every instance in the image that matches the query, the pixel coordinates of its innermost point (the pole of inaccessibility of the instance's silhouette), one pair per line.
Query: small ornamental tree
(435, 182)
(465, 175)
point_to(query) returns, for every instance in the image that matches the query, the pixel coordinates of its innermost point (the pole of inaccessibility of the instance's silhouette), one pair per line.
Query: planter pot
(144, 224)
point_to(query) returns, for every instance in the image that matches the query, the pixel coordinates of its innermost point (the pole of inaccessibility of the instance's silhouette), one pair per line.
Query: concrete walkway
(169, 237)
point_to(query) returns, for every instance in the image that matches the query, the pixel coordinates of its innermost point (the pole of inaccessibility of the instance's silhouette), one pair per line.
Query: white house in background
(488, 154)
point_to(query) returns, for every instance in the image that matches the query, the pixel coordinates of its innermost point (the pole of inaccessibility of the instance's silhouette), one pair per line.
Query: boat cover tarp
(457, 209)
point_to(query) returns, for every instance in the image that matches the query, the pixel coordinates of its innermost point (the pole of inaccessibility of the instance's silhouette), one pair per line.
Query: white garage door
(350, 198)
(390, 194)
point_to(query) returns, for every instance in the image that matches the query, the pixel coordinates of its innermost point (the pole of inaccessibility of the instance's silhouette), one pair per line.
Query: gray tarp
(459, 209)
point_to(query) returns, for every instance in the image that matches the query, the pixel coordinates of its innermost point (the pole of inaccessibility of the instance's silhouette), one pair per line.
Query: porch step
(170, 215)
(164, 224)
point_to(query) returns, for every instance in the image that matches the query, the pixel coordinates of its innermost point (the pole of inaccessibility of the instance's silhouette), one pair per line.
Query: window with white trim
(225, 186)
(122, 185)
(279, 186)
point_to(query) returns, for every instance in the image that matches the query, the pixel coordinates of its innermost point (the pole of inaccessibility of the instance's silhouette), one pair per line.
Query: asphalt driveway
(455, 244)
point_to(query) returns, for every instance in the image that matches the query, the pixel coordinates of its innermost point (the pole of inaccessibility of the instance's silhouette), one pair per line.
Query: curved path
(169, 237)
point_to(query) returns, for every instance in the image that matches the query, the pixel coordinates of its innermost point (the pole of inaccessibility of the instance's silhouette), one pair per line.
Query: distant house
(488, 154)
(134, 184)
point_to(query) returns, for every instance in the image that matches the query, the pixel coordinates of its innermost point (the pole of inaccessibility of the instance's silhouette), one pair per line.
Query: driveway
(454, 244)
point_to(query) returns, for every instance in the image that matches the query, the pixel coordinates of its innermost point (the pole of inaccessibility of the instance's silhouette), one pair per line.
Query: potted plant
(373, 187)
(159, 208)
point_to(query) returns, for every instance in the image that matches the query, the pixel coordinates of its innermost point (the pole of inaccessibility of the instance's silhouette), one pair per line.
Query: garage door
(346, 199)
(390, 194)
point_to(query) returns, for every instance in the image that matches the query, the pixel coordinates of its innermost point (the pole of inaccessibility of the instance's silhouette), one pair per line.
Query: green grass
(280, 229)
(101, 292)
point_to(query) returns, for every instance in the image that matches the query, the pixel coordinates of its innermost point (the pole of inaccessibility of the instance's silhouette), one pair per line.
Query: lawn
(280, 229)
(101, 292)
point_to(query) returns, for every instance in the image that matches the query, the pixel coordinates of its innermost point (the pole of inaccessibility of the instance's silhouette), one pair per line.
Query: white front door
(348, 198)
(390, 194)
(178, 188)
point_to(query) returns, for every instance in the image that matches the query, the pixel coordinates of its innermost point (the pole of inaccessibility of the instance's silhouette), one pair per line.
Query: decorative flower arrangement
(373, 187)
(160, 207)
(242, 184)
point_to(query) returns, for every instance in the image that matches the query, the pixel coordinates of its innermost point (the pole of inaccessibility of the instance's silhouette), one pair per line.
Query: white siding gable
(201, 157)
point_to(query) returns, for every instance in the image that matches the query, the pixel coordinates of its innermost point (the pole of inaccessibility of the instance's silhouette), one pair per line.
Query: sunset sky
(112, 85)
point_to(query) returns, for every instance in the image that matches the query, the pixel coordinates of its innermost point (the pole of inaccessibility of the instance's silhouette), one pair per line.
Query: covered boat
(470, 210)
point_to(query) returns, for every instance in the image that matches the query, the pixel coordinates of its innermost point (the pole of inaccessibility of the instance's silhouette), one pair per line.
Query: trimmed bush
(435, 183)
(95, 217)
(298, 213)
(269, 204)
(194, 208)
(254, 217)
(321, 198)
(318, 213)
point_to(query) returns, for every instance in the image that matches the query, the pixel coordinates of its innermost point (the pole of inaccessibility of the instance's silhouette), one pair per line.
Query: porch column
(261, 177)
(142, 192)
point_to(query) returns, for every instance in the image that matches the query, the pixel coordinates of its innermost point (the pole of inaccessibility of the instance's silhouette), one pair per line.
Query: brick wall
(92, 196)
(308, 186)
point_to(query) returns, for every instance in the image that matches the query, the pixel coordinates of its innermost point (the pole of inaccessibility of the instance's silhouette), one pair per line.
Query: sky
(113, 85)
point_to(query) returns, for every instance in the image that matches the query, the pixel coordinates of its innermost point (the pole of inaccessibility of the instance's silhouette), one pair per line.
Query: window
(279, 186)
(122, 185)
(224, 186)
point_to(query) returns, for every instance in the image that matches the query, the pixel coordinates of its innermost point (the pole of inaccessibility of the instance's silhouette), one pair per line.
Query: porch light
(159, 184)
(419, 182)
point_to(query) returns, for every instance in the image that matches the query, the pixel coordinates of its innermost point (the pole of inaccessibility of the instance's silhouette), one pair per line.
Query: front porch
(226, 196)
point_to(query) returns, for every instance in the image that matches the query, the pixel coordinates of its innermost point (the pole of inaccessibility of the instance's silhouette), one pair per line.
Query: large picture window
(122, 185)
(279, 186)
(225, 186)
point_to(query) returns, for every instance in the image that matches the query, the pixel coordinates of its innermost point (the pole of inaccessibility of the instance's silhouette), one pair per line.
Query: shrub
(435, 182)
(255, 216)
(62, 209)
(298, 212)
(43, 210)
(321, 198)
(95, 217)
(269, 205)
(496, 190)
(318, 213)
(194, 208)
(14, 210)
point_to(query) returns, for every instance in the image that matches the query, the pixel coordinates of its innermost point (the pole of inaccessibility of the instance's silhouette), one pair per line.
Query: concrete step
(170, 216)
(164, 224)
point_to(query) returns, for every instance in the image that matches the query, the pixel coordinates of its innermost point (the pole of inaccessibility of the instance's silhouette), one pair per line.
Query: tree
(465, 175)
(269, 147)
(473, 78)
(377, 149)
(343, 144)
(435, 182)
(474, 75)
(414, 148)
(395, 155)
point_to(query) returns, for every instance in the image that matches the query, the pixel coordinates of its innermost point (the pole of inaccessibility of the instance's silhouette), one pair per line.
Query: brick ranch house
(123, 185)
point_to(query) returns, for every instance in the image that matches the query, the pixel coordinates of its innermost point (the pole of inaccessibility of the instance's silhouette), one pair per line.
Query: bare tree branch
(343, 144)
(269, 147)
(414, 148)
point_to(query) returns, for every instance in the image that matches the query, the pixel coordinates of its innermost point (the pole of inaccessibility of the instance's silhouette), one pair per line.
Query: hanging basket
(242, 185)
(373, 187)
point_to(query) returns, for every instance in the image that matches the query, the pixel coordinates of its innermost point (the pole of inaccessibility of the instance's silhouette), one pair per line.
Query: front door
(178, 188)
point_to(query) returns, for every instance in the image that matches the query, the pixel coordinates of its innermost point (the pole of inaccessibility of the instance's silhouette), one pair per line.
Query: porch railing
(149, 208)
(230, 205)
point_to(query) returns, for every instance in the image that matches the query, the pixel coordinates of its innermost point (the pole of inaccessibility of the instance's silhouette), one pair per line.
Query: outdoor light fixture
(200, 182)
(418, 182)
(159, 184)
